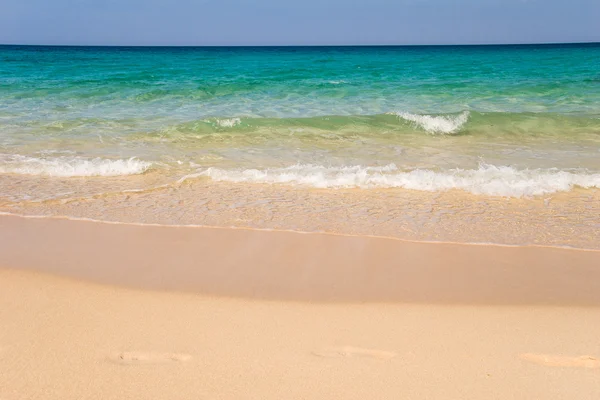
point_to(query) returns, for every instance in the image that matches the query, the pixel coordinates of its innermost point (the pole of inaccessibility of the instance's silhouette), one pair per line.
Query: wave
(228, 122)
(338, 82)
(470, 123)
(71, 166)
(487, 179)
(444, 124)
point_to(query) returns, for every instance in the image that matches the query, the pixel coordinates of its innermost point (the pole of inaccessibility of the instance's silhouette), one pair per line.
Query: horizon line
(303, 45)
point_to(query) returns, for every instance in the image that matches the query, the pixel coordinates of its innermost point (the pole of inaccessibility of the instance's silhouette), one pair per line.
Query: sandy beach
(116, 311)
(362, 200)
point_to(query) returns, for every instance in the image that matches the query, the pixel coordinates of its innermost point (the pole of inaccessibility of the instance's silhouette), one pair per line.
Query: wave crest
(71, 166)
(228, 122)
(443, 124)
(487, 179)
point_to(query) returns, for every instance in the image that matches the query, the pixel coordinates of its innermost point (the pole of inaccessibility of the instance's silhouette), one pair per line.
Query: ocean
(480, 123)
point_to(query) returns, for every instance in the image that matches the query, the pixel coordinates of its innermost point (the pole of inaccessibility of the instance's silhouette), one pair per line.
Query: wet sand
(285, 265)
(113, 311)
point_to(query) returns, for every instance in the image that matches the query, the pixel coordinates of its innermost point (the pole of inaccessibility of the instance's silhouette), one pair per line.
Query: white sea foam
(443, 124)
(228, 122)
(487, 179)
(71, 166)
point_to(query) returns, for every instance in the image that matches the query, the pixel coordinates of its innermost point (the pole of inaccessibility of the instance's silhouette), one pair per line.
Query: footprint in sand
(139, 357)
(550, 360)
(350, 351)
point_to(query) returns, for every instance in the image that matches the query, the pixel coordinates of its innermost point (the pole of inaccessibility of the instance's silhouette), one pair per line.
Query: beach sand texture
(86, 314)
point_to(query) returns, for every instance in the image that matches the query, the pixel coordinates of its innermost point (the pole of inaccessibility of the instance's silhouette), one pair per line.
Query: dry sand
(315, 317)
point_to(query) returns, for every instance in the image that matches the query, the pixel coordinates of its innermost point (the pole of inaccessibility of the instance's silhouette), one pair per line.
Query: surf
(487, 179)
(67, 166)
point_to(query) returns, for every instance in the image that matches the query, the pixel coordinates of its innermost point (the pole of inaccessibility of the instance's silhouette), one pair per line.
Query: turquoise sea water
(497, 120)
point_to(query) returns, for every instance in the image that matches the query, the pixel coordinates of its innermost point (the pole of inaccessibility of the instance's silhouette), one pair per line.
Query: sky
(297, 22)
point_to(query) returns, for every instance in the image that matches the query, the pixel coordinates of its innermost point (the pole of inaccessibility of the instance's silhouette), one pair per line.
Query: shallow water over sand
(563, 219)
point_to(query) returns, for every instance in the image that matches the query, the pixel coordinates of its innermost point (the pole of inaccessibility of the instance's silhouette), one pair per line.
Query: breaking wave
(487, 179)
(228, 122)
(443, 124)
(71, 166)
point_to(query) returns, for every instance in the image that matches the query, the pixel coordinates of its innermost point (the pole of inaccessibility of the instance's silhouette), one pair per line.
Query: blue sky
(297, 22)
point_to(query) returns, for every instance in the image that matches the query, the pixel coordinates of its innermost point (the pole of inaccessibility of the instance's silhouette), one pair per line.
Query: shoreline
(300, 232)
(284, 265)
(562, 220)
(120, 311)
